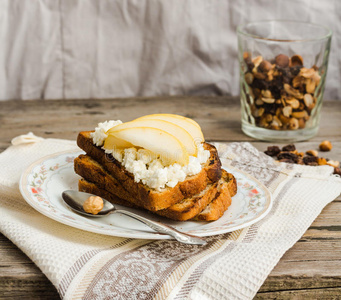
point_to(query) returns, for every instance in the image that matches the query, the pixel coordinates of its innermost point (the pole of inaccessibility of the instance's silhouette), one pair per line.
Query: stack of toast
(203, 197)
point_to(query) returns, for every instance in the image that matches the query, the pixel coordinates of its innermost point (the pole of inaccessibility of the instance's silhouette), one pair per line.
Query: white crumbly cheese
(146, 166)
(100, 135)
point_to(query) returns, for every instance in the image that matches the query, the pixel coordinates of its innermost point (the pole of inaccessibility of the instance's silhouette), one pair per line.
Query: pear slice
(181, 134)
(188, 124)
(170, 149)
(112, 142)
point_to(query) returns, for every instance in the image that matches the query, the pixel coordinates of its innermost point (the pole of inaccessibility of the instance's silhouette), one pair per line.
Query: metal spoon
(75, 200)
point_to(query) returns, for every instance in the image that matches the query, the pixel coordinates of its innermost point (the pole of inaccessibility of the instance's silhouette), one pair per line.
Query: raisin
(288, 155)
(300, 160)
(310, 160)
(287, 160)
(272, 151)
(290, 147)
(295, 70)
(337, 171)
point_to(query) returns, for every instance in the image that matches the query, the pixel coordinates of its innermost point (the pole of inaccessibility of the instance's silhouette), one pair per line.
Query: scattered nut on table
(93, 205)
(333, 163)
(312, 153)
(289, 154)
(326, 146)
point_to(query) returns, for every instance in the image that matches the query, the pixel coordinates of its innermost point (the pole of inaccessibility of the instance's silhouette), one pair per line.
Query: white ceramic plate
(43, 182)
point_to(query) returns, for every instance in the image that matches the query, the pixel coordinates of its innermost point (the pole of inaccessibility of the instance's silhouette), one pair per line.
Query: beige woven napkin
(85, 265)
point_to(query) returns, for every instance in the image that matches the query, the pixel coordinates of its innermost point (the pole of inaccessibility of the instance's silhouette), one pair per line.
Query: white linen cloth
(125, 48)
(85, 265)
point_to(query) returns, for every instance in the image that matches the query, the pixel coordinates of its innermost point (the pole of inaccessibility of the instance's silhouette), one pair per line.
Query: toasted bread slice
(92, 171)
(92, 188)
(213, 201)
(215, 209)
(144, 196)
(191, 207)
(186, 209)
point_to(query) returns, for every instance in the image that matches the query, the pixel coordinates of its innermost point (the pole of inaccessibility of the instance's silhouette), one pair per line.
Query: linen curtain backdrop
(123, 48)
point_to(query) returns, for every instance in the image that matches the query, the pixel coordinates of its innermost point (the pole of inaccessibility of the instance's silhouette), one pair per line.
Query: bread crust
(144, 196)
(208, 205)
(216, 208)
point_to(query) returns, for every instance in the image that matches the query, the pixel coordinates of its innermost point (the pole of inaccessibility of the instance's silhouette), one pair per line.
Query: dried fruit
(337, 171)
(295, 70)
(290, 147)
(272, 151)
(310, 160)
(288, 155)
(326, 146)
(287, 160)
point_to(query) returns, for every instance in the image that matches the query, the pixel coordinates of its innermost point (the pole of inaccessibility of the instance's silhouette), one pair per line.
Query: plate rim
(146, 235)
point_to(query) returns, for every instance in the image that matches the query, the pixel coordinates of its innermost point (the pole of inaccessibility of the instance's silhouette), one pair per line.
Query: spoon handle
(163, 228)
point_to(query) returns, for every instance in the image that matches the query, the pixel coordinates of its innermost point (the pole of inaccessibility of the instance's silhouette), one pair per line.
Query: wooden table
(311, 269)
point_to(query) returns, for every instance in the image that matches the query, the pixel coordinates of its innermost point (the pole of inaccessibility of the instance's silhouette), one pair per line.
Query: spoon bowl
(75, 201)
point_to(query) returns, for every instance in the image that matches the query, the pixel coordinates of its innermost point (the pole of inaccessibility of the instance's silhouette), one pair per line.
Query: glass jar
(283, 66)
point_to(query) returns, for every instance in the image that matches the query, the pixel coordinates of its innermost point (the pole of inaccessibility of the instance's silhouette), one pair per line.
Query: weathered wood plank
(321, 294)
(20, 277)
(28, 289)
(218, 116)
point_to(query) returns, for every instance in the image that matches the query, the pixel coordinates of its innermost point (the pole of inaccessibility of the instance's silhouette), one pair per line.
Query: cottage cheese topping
(146, 166)
(99, 135)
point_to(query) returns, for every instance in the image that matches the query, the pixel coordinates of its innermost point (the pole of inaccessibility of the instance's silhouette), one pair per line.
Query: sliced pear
(170, 149)
(113, 142)
(188, 124)
(171, 116)
(181, 134)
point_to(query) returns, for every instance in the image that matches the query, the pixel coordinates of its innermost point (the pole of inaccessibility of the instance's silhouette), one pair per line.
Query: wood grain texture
(311, 269)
